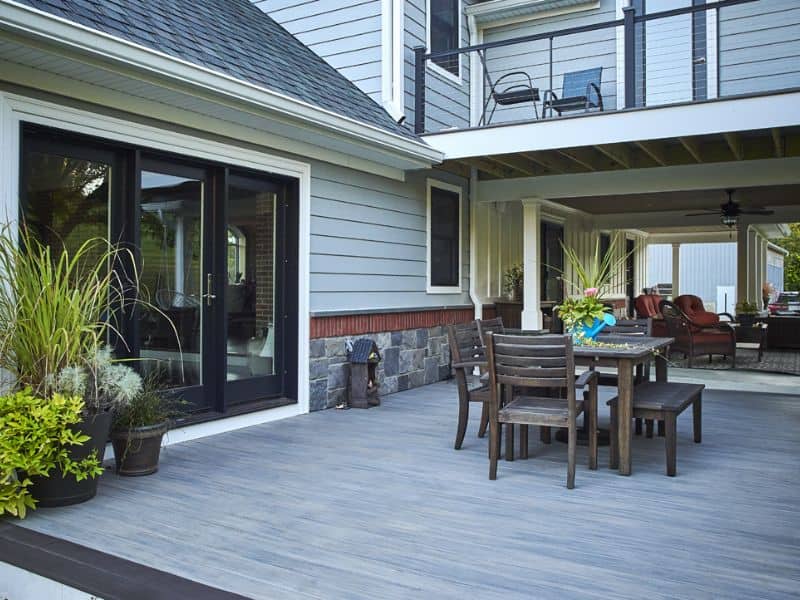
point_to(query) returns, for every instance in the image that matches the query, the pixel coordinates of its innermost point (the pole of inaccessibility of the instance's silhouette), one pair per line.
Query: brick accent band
(335, 326)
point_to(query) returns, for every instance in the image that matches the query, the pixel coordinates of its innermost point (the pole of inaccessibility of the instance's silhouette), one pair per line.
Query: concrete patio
(377, 504)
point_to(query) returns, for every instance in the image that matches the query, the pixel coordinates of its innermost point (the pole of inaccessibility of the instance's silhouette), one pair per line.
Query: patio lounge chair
(518, 363)
(694, 340)
(646, 306)
(580, 90)
(516, 93)
(695, 311)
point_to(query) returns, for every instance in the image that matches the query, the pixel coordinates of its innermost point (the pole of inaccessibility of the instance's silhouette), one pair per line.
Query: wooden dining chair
(518, 365)
(466, 353)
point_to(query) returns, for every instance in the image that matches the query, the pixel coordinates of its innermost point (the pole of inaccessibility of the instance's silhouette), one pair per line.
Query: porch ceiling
(640, 154)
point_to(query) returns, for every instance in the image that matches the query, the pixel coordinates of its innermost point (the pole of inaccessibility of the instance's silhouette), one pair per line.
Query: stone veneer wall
(411, 358)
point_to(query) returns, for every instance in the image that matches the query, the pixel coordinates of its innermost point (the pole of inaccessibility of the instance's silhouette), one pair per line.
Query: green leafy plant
(746, 308)
(597, 271)
(575, 312)
(513, 279)
(36, 437)
(148, 407)
(55, 305)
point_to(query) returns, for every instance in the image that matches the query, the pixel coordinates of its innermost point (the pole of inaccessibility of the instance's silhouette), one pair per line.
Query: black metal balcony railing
(672, 56)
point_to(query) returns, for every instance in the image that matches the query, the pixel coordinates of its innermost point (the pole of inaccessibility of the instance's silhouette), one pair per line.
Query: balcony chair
(516, 93)
(580, 90)
(692, 307)
(646, 306)
(519, 363)
(693, 340)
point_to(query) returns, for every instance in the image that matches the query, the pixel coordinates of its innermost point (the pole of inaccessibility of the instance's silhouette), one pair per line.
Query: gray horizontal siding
(346, 33)
(447, 101)
(570, 53)
(368, 241)
(759, 47)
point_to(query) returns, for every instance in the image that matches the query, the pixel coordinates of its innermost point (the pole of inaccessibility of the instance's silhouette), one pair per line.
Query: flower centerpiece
(583, 313)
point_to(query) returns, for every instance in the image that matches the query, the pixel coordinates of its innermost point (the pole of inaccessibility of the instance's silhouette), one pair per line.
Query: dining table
(625, 353)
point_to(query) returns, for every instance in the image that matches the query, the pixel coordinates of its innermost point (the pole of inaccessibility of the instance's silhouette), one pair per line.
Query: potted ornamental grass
(139, 428)
(583, 312)
(58, 307)
(746, 313)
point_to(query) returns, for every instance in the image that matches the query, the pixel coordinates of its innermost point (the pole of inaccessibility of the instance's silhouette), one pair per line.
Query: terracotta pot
(136, 451)
(59, 490)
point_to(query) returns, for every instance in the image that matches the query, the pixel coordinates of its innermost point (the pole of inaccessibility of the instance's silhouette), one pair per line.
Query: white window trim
(432, 66)
(441, 289)
(15, 109)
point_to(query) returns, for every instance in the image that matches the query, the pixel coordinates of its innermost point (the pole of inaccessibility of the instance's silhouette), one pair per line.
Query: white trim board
(14, 109)
(392, 59)
(702, 118)
(433, 289)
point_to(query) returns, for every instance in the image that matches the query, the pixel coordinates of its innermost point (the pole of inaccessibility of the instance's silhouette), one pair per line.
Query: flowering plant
(582, 311)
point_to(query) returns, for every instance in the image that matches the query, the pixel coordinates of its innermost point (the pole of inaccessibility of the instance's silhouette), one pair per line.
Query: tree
(791, 265)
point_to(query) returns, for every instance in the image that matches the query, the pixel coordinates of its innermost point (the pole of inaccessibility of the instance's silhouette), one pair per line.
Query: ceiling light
(729, 220)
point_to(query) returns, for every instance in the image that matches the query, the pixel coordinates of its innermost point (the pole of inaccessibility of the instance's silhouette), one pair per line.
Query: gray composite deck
(377, 504)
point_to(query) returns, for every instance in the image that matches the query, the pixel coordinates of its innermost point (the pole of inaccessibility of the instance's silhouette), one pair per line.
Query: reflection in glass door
(252, 358)
(171, 242)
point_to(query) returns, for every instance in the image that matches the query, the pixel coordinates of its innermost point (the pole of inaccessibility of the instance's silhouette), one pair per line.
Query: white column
(763, 266)
(741, 263)
(531, 216)
(752, 266)
(676, 270)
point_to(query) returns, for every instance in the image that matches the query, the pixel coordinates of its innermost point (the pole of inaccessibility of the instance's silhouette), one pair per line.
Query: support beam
(676, 270)
(735, 144)
(579, 156)
(619, 153)
(741, 263)
(488, 166)
(692, 147)
(531, 218)
(518, 163)
(655, 151)
(752, 266)
(778, 142)
(543, 162)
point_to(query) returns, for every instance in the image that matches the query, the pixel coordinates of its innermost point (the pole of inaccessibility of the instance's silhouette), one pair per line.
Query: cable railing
(695, 52)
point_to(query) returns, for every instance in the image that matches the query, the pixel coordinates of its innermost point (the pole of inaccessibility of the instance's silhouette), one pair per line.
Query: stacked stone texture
(411, 358)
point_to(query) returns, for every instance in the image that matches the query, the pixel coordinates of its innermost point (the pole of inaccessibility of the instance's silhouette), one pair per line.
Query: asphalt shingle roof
(232, 37)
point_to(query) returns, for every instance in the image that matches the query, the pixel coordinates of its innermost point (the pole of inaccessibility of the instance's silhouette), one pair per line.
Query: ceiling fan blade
(708, 213)
(757, 211)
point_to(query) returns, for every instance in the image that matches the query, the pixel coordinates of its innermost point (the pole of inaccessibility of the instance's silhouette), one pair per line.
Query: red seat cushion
(692, 307)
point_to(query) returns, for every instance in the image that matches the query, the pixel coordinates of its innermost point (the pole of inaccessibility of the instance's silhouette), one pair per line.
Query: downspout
(477, 303)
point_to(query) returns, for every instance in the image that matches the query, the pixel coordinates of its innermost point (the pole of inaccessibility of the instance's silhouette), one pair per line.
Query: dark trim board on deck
(104, 575)
(377, 504)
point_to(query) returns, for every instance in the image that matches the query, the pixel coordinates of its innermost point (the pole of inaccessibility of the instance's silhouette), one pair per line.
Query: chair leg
(613, 440)
(671, 442)
(544, 434)
(591, 417)
(572, 445)
(697, 410)
(509, 442)
(523, 441)
(484, 420)
(638, 426)
(661, 428)
(648, 425)
(494, 447)
(463, 418)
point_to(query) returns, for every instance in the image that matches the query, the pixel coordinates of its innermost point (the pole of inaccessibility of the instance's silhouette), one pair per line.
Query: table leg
(661, 366)
(624, 413)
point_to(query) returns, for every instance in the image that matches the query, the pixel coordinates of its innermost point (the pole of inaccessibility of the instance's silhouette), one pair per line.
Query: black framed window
(445, 228)
(444, 32)
(552, 261)
(605, 245)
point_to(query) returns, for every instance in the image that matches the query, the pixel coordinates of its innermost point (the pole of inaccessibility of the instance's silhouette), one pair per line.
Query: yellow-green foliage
(36, 436)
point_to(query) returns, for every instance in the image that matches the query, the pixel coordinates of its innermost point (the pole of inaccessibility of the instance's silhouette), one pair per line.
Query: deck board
(376, 504)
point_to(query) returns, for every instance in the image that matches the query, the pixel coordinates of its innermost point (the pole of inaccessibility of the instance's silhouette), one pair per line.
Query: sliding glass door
(216, 251)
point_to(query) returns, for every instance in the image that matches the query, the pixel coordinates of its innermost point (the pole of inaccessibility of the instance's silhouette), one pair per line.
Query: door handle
(209, 296)
(699, 61)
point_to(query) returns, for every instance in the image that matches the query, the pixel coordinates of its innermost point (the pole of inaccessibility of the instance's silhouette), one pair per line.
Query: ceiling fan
(729, 211)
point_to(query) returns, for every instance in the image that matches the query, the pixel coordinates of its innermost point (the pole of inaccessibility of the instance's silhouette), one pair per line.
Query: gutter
(42, 26)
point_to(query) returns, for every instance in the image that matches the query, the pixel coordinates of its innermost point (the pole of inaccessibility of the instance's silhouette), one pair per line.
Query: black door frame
(125, 212)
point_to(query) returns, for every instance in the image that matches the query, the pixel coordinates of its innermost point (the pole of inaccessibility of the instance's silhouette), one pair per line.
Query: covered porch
(377, 504)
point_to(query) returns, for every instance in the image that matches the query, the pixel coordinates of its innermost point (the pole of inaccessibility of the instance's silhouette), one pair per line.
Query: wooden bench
(662, 401)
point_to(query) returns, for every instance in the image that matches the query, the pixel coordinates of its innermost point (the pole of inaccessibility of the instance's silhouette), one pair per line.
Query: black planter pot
(136, 451)
(57, 490)
(746, 320)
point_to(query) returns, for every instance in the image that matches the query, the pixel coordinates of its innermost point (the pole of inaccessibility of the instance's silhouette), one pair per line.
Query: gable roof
(233, 37)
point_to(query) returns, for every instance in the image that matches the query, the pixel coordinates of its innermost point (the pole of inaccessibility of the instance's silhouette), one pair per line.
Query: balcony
(692, 55)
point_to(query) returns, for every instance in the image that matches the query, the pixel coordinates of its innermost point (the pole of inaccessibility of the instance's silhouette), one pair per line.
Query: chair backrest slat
(490, 326)
(531, 361)
(575, 82)
(530, 351)
(629, 327)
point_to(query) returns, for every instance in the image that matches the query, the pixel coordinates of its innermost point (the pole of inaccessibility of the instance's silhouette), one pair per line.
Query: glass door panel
(252, 356)
(172, 277)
